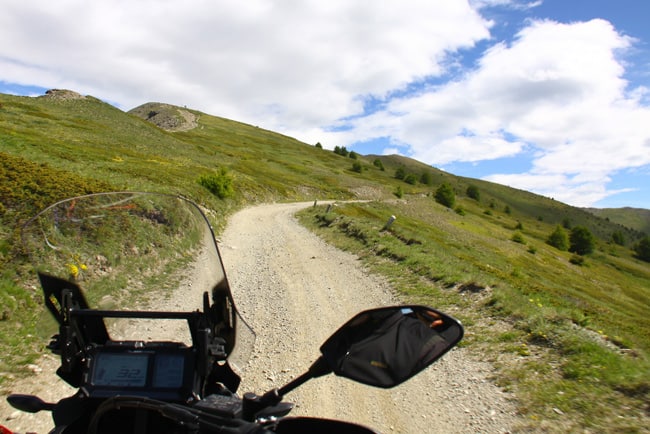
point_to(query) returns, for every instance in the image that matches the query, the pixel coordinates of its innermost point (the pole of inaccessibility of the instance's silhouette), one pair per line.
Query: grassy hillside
(635, 218)
(570, 335)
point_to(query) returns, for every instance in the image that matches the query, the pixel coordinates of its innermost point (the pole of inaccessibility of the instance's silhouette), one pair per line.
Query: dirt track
(295, 290)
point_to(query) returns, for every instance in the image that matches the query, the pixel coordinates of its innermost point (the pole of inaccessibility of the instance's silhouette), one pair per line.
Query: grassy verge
(571, 341)
(22, 332)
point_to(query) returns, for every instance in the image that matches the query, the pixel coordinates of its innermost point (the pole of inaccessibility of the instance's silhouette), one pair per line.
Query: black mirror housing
(386, 346)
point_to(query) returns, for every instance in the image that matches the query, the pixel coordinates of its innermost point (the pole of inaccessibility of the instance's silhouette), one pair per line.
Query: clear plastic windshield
(133, 251)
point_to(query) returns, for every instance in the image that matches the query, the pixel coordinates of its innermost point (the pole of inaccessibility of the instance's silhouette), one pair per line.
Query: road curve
(295, 290)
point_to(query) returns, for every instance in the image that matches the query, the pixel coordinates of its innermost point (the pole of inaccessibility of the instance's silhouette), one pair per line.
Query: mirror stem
(253, 403)
(317, 369)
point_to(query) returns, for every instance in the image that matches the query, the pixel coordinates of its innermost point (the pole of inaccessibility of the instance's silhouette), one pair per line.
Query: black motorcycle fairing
(312, 425)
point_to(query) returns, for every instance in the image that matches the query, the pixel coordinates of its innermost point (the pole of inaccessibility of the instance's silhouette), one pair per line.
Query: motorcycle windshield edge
(136, 252)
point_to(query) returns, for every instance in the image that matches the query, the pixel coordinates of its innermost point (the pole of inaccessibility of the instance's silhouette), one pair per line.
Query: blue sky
(549, 96)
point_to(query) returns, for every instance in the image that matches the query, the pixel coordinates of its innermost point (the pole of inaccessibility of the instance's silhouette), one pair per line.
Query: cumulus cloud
(284, 65)
(512, 4)
(342, 72)
(557, 91)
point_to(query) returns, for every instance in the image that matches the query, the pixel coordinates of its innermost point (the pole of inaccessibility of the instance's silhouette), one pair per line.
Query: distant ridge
(633, 218)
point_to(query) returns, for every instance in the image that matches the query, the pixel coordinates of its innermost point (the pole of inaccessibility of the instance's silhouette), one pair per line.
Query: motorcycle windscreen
(134, 251)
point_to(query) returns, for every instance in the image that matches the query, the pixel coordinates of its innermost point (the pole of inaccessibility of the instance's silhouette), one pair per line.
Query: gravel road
(295, 290)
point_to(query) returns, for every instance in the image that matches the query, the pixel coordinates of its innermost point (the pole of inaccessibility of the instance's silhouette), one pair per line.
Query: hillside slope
(579, 325)
(635, 218)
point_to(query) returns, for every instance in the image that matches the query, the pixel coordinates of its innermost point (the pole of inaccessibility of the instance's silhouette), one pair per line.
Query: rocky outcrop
(166, 116)
(62, 95)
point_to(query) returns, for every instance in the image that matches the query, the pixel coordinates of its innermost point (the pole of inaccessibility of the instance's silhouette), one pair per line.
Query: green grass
(23, 333)
(578, 337)
(561, 327)
(638, 219)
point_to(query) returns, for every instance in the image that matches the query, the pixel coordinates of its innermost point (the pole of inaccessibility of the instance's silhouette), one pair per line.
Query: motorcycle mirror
(385, 347)
(29, 403)
(379, 347)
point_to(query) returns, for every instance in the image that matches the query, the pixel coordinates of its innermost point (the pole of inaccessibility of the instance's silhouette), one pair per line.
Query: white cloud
(306, 69)
(512, 4)
(574, 190)
(557, 91)
(390, 151)
(283, 65)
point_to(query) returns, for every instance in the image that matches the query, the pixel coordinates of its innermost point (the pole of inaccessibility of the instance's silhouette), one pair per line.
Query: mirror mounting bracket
(253, 404)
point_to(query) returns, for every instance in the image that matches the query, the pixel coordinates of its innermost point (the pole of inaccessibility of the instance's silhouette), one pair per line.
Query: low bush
(518, 238)
(445, 195)
(220, 183)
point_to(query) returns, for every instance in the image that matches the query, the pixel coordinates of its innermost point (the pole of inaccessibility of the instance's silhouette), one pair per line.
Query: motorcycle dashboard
(160, 372)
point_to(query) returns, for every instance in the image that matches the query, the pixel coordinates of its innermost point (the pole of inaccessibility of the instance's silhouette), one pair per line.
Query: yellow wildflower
(74, 270)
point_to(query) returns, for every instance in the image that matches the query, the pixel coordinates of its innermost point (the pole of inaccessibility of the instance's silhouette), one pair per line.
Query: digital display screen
(120, 370)
(168, 371)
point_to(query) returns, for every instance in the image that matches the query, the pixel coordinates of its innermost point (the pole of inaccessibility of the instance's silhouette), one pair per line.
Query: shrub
(577, 260)
(398, 192)
(319, 146)
(357, 167)
(27, 187)
(558, 239)
(460, 210)
(378, 164)
(473, 193)
(219, 184)
(354, 155)
(426, 178)
(518, 238)
(618, 238)
(445, 195)
(642, 249)
(582, 242)
(341, 150)
(411, 179)
(400, 173)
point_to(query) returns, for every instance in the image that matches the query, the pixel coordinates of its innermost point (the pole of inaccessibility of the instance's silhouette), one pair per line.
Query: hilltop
(566, 332)
(166, 116)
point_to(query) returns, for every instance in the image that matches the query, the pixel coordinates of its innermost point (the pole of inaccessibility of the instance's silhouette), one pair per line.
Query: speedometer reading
(120, 370)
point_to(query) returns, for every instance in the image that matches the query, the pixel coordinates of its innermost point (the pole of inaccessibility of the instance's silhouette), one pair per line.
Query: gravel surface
(295, 290)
